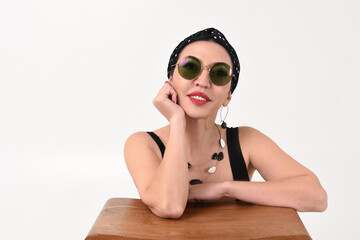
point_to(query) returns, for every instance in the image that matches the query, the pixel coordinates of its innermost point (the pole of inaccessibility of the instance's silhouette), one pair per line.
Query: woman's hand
(206, 192)
(166, 102)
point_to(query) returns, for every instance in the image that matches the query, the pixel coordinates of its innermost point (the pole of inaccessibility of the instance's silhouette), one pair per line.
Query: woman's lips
(199, 98)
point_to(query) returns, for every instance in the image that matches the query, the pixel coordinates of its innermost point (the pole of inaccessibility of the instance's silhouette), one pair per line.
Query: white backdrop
(78, 77)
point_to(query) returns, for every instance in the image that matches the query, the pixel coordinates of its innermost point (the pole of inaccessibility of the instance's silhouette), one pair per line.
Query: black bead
(189, 165)
(220, 156)
(223, 125)
(195, 181)
(214, 156)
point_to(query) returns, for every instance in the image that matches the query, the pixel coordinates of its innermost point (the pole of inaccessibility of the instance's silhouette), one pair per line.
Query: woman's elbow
(317, 203)
(317, 199)
(166, 209)
(322, 202)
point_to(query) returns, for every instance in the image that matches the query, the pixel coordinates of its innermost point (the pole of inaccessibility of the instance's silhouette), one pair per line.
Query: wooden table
(124, 218)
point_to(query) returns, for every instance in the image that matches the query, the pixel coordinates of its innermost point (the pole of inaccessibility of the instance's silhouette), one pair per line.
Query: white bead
(212, 169)
(222, 143)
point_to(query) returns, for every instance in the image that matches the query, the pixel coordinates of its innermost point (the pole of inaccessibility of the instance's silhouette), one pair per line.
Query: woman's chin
(197, 114)
(197, 111)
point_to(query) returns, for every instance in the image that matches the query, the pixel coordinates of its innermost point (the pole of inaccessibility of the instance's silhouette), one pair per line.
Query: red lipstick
(199, 98)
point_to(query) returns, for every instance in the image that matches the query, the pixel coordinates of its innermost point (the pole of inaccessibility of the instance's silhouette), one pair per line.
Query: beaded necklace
(217, 156)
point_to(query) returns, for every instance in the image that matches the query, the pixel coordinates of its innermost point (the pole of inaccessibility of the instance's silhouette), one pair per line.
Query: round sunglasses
(190, 67)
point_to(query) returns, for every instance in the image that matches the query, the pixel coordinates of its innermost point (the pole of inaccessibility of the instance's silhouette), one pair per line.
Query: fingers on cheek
(166, 90)
(170, 89)
(174, 97)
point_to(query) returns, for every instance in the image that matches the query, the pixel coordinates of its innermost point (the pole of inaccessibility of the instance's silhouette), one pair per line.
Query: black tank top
(237, 162)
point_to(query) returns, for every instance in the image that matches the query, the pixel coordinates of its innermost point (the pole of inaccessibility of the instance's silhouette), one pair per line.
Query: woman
(194, 159)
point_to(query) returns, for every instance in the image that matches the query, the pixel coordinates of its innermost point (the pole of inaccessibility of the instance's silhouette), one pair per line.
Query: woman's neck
(201, 133)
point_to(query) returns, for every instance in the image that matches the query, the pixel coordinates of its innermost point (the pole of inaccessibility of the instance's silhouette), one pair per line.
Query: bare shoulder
(139, 143)
(137, 138)
(267, 157)
(254, 138)
(249, 138)
(248, 133)
(142, 157)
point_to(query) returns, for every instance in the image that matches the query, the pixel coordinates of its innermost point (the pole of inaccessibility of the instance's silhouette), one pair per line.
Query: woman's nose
(203, 79)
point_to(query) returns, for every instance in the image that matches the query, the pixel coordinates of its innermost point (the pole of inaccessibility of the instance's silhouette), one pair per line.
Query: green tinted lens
(220, 74)
(189, 67)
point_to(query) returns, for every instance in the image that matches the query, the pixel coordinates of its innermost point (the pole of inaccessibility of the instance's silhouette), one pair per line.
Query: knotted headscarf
(207, 34)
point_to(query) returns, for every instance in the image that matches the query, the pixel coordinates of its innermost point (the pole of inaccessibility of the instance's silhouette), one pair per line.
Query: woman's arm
(288, 183)
(303, 193)
(162, 183)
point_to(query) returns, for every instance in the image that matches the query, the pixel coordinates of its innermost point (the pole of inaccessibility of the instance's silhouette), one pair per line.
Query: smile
(199, 98)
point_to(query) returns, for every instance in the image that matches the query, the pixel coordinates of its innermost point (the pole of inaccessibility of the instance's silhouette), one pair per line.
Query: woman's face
(208, 53)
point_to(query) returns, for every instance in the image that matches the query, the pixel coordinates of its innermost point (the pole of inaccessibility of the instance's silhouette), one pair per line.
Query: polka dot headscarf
(207, 34)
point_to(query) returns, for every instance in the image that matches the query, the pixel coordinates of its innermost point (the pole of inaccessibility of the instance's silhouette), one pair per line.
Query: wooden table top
(125, 218)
